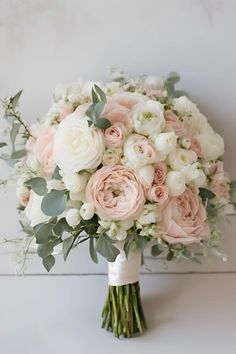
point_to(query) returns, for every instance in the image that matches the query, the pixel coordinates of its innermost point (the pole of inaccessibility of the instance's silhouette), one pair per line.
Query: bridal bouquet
(121, 165)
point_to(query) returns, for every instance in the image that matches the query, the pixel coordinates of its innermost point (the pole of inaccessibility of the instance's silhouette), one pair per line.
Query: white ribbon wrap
(124, 271)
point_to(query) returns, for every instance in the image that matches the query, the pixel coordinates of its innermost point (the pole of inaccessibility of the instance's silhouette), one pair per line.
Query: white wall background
(44, 42)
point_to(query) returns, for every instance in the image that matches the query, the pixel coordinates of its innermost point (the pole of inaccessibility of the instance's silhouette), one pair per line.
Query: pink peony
(116, 192)
(158, 194)
(196, 146)
(174, 124)
(160, 173)
(117, 113)
(114, 136)
(183, 218)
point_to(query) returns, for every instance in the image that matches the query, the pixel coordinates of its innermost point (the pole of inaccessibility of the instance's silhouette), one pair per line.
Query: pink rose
(219, 185)
(183, 218)
(126, 99)
(41, 145)
(116, 192)
(158, 194)
(117, 113)
(173, 123)
(114, 136)
(196, 146)
(160, 171)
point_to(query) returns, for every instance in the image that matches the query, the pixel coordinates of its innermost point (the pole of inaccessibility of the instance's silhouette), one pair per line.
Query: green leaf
(90, 110)
(3, 144)
(101, 93)
(95, 98)
(54, 203)
(170, 255)
(43, 232)
(67, 246)
(173, 77)
(156, 250)
(49, 262)
(44, 250)
(179, 93)
(97, 110)
(14, 100)
(61, 226)
(56, 175)
(38, 184)
(127, 246)
(13, 134)
(105, 247)
(103, 123)
(206, 194)
(141, 241)
(18, 154)
(92, 250)
(27, 229)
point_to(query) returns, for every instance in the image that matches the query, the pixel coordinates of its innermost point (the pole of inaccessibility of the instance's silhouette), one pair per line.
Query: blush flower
(117, 113)
(114, 136)
(160, 171)
(116, 193)
(174, 124)
(158, 194)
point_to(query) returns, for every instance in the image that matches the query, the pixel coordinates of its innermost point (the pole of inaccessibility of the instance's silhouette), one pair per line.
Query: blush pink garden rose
(196, 146)
(114, 136)
(220, 186)
(160, 171)
(174, 124)
(158, 194)
(126, 99)
(116, 193)
(117, 113)
(183, 218)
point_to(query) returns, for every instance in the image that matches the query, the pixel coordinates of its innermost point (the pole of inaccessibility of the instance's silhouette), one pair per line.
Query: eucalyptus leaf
(170, 255)
(56, 175)
(98, 108)
(105, 247)
(90, 111)
(103, 123)
(44, 250)
(38, 184)
(92, 250)
(101, 93)
(61, 226)
(67, 246)
(18, 154)
(14, 100)
(206, 194)
(2, 145)
(54, 203)
(156, 250)
(141, 241)
(42, 232)
(173, 77)
(94, 96)
(13, 134)
(49, 262)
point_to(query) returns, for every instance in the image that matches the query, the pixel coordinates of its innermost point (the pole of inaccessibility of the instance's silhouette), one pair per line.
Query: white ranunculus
(146, 175)
(87, 211)
(33, 210)
(212, 144)
(152, 82)
(191, 172)
(175, 182)
(75, 182)
(180, 158)
(139, 151)
(201, 179)
(166, 142)
(148, 118)
(76, 145)
(73, 217)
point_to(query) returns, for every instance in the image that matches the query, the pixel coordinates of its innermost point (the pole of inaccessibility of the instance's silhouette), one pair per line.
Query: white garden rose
(212, 144)
(33, 210)
(87, 211)
(139, 151)
(146, 175)
(75, 182)
(73, 217)
(175, 182)
(166, 142)
(77, 146)
(180, 158)
(148, 118)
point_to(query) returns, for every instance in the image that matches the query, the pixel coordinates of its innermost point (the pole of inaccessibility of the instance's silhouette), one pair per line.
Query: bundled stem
(122, 312)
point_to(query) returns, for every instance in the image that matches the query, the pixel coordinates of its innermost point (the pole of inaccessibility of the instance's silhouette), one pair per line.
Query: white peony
(148, 118)
(33, 210)
(212, 144)
(77, 146)
(175, 182)
(146, 175)
(87, 211)
(73, 217)
(166, 142)
(75, 182)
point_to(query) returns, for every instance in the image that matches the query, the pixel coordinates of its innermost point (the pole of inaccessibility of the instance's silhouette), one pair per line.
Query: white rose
(76, 145)
(148, 215)
(139, 151)
(87, 211)
(75, 182)
(148, 118)
(73, 217)
(33, 210)
(166, 142)
(146, 174)
(55, 184)
(180, 158)
(175, 182)
(153, 83)
(212, 144)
